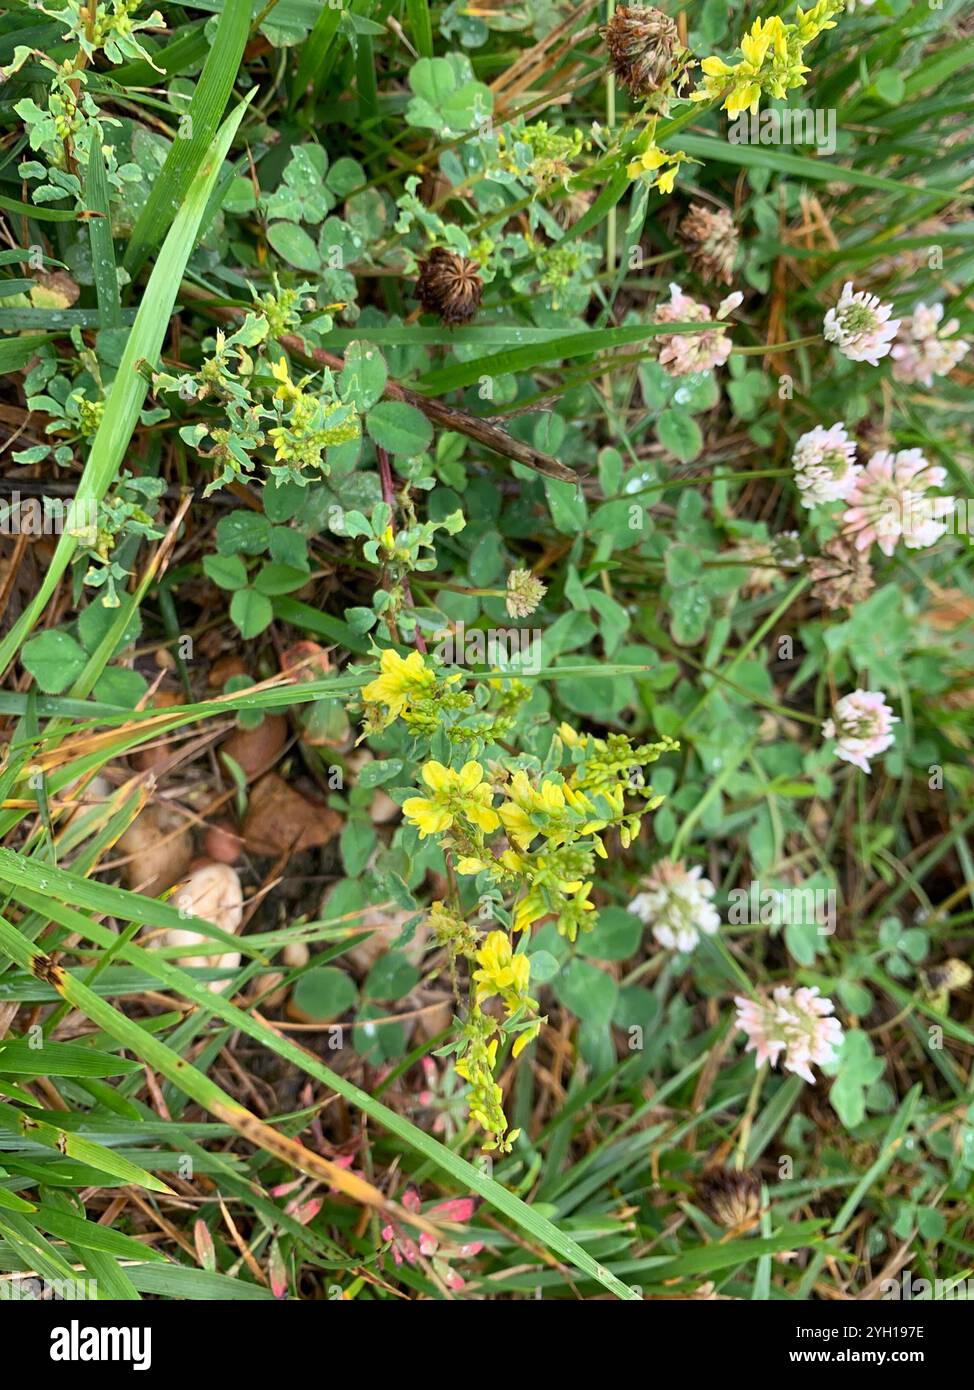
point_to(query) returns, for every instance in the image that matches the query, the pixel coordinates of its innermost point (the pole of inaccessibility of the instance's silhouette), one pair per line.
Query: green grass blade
(102, 247)
(187, 155)
(465, 1174)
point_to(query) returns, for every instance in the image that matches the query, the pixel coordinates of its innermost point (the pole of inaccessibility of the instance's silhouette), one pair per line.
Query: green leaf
(275, 578)
(363, 379)
(54, 659)
(251, 611)
(392, 976)
(616, 935)
(889, 85)
(293, 243)
(399, 428)
(679, 433)
(379, 772)
(588, 992)
(325, 993)
(226, 571)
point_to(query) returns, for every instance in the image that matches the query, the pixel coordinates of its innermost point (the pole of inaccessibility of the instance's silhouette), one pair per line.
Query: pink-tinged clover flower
(862, 725)
(407, 1250)
(682, 353)
(793, 1024)
(860, 326)
(889, 502)
(825, 465)
(925, 348)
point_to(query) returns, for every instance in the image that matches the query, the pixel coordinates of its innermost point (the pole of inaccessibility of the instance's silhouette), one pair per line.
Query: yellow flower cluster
(305, 432)
(455, 796)
(663, 165)
(536, 850)
(408, 689)
(499, 972)
(403, 680)
(504, 973)
(771, 62)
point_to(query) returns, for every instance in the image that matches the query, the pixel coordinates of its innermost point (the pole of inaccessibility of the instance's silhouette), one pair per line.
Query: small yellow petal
(437, 777)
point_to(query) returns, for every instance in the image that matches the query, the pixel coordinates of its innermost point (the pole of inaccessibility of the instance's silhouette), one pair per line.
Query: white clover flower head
(860, 326)
(793, 1024)
(825, 465)
(924, 349)
(682, 353)
(676, 903)
(889, 502)
(862, 725)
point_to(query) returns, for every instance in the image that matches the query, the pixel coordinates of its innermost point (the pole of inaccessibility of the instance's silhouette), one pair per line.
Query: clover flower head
(524, 593)
(862, 725)
(733, 1195)
(925, 348)
(794, 1024)
(767, 558)
(888, 502)
(825, 465)
(681, 353)
(676, 902)
(860, 326)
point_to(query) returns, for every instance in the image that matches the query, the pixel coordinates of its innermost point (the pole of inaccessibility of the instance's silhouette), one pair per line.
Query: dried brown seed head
(732, 1195)
(449, 286)
(644, 48)
(842, 575)
(709, 237)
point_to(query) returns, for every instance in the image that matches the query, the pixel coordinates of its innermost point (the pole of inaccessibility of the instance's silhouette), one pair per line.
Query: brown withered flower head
(731, 1195)
(842, 575)
(709, 238)
(449, 286)
(644, 48)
